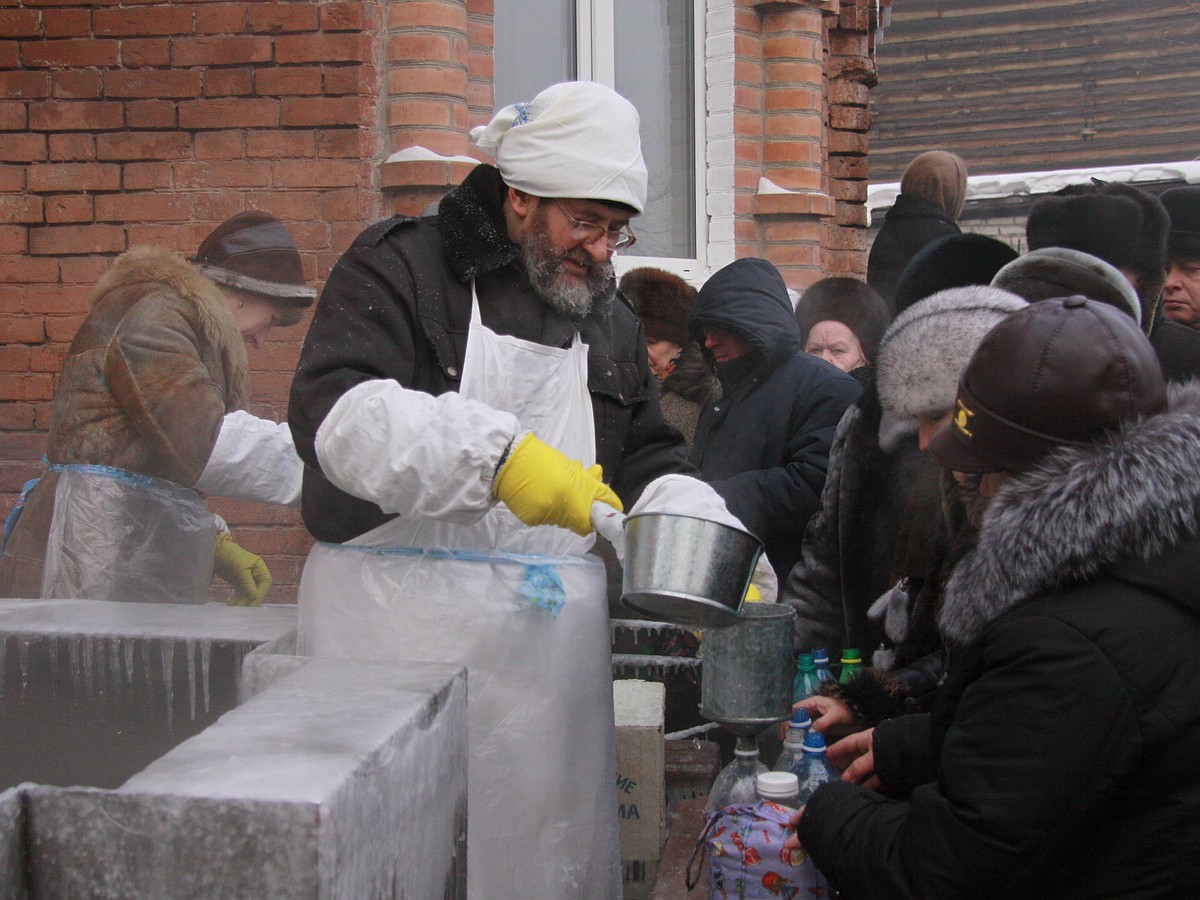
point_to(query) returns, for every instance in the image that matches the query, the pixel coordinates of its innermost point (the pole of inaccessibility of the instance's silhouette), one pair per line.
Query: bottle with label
(782, 788)
(821, 661)
(816, 770)
(738, 781)
(806, 681)
(851, 664)
(792, 754)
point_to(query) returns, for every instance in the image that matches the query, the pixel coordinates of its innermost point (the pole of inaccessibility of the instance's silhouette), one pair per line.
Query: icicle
(73, 652)
(167, 654)
(191, 667)
(52, 649)
(205, 661)
(23, 662)
(127, 650)
(3, 645)
(239, 653)
(113, 645)
(88, 661)
(145, 655)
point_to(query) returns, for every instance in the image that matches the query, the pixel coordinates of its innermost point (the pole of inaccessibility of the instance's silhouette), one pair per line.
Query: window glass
(535, 47)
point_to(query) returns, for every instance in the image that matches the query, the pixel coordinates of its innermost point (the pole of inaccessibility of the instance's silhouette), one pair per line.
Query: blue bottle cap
(820, 656)
(814, 741)
(801, 718)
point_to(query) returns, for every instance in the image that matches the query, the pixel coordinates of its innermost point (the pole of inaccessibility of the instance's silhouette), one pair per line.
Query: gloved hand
(543, 487)
(246, 571)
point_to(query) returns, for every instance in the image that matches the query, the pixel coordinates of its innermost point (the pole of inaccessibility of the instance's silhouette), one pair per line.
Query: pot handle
(611, 525)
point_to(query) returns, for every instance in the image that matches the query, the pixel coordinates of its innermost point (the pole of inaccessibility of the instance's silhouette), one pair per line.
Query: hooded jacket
(1062, 749)
(764, 445)
(153, 370)
(909, 225)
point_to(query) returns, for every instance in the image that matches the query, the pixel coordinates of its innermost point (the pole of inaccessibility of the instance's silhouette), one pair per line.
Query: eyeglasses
(590, 232)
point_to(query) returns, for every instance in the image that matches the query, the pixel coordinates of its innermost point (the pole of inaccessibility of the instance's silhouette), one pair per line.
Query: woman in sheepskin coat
(1060, 758)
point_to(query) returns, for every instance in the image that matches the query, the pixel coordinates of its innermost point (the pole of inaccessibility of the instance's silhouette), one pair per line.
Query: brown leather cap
(254, 252)
(1057, 373)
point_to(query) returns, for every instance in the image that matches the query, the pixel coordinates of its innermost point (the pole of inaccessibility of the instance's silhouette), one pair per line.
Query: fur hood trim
(217, 324)
(1083, 508)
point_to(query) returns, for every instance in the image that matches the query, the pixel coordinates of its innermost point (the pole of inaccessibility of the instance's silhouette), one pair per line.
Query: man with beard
(468, 380)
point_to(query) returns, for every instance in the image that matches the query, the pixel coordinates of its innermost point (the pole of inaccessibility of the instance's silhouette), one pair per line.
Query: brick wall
(150, 124)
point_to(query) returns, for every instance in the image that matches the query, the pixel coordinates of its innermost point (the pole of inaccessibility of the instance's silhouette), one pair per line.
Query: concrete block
(641, 791)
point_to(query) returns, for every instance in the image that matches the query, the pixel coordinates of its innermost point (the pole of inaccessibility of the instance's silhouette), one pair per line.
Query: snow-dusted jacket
(145, 386)
(1063, 748)
(764, 445)
(375, 409)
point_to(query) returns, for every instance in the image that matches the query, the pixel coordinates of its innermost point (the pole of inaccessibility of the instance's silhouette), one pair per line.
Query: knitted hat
(955, 260)
(1060, 272)
(1059, 373)
(574, 139)
(663, 302)
(847, 300)
(253, 252)
(1183, 208)
(925, 349)
(940, 178)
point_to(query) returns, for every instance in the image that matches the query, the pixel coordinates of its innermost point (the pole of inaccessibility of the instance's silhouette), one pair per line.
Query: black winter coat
(397, 305)
(1062, 752)
(909, 225)
(764, 445)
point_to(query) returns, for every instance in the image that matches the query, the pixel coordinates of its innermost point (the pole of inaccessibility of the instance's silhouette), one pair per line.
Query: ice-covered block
(641, 794)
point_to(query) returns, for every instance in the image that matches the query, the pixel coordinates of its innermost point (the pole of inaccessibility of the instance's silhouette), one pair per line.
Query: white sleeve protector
(253, 459)
(413, 453)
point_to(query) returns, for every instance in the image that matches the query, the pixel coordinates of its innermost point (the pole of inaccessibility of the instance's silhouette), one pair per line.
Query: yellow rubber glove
(246, 571)
(543, 487)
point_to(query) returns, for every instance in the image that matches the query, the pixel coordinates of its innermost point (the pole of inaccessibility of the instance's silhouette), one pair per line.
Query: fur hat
(253, 252)
(662, 300)
(1183, 208)
(1124, 226)
(927, 346)
(955, 260)
(852, 302)
(1060, 272)
(939, 177)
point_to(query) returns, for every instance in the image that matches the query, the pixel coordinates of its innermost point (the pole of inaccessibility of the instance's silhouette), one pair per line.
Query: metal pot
(685, 570)
(746, 680)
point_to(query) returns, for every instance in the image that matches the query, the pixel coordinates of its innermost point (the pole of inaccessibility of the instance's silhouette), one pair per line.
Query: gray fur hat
(1053, 272)
(927, 346)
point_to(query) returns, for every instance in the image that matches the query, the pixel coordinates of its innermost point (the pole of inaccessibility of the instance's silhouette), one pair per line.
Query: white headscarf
(575, 139)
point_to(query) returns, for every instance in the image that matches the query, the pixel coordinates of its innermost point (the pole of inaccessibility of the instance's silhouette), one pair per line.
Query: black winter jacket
(397, 306)
(909, 225)
(1061, 754)
(764, 445)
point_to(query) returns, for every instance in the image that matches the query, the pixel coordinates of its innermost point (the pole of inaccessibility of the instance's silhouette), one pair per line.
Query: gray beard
(543, 267)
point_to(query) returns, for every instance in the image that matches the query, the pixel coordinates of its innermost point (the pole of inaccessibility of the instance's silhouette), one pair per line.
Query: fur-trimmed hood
(174, 273)
(1082, 510)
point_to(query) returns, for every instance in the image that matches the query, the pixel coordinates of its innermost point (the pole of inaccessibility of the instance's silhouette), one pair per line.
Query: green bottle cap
(851, 656)
(805, 663)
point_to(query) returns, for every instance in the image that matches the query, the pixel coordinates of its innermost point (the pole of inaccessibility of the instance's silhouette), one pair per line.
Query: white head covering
(575, 139)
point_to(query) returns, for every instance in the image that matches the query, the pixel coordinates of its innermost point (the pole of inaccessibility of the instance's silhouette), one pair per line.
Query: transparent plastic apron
(525, 611)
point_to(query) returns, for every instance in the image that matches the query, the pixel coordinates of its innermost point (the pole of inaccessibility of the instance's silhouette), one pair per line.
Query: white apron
(532, 631)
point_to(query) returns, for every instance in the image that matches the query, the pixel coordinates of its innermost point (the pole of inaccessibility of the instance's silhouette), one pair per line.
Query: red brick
(406, 47)
(150, 114)
(126, 207)
(349, 143)
(16, 417)
(63, 328)
(216, 207)
(12, 116)
(229, 19)
(22, 147)
(234, 174)
(322, 48)
(222, 50)
(345, 16)
(83, 269)
(10, 54)
(280, 144)
(55, 299)
(322, 111)
(847, 142)
(157, 84)
(62, 23)
(23, 329)
(310, 174)
(418, 15)
(293, 80)
(13, 239)
(136, 52)
(335, 206)
(17, 23)
(147, 176)
(24, 85)
(65, 115)
(26, 387)
(220, 145)
(842, 91)
(21, 208)
(433, 80)
(48, 358)
(12, 178)
(228, 113)
(351, 80)
(277, 18)
(27, 270)
(74, 177)
(76, 239)
(412, 111)
(72, 147)
(228, 82)
(14, 358)
(854, 118)
(137, 145)
(794, 125)
(69, 54)
(76, 84)
(156, 235)
(62, 209)
(143, 21)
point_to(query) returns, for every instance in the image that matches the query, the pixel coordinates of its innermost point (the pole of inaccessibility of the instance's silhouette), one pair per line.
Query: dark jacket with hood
(397, 306)
(764, 445)
(1061, 754)
(909, 225)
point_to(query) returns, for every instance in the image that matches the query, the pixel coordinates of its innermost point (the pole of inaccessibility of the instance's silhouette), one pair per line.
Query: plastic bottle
(851, 664)
(738, 781)
(816, 769)
(782, 788)
(793, 742)
(806, 678)
(821, 661)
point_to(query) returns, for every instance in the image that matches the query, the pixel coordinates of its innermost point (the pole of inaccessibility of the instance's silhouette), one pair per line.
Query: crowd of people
(981, 466)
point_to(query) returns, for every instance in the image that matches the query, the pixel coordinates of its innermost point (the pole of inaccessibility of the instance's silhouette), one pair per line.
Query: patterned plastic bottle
(738, 781)
(821, 661)
(816, 770)
(806, 678)
(851, 664)
(792, 754)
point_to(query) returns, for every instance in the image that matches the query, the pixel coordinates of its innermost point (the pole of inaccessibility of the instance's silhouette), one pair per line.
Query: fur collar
(1131, 497)
(471, 221)
(217, 324)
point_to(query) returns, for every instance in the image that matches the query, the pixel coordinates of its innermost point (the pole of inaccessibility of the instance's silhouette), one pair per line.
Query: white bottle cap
(777, 784)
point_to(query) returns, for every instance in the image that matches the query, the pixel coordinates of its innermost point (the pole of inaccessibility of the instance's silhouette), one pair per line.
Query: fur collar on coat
(1133, 496)
(217, 325)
